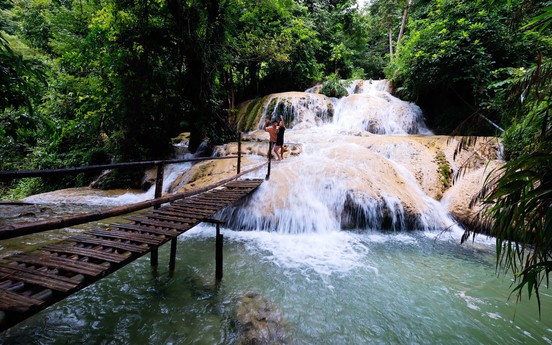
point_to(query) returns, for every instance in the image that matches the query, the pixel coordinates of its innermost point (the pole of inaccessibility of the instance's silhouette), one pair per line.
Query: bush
(334, 87)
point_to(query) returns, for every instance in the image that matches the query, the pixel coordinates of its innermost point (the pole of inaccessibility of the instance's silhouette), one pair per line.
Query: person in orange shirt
(273, 131)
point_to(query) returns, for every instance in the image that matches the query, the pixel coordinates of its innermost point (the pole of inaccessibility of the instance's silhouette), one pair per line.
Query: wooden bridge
(30, 282)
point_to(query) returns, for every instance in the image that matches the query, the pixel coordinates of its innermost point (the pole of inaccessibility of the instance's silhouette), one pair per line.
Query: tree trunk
(403, 24)
(390, 44)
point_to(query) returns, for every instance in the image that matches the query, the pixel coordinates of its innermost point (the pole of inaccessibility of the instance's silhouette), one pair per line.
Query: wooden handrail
(16, 174)
(39, 173)
(27, 228)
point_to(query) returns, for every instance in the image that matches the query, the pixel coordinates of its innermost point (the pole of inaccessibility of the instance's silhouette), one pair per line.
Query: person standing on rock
(279, 149)
(273, 131)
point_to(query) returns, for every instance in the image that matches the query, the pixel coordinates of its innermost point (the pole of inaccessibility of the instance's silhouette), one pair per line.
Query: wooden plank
(169, 233)
(223, 195)
(191, 203)
(7, 272)
(229, 192)
(182, 218)
(214, 205)
(147, 221)
(244, 183)
(135, 237)
(176, 219)
(134, 248)
(218, 199)
(41, 272)
(175, 213)
(166, 218)
(190, 210)
(86, 252)
(12, 301)
(153, 229)
(66, 264)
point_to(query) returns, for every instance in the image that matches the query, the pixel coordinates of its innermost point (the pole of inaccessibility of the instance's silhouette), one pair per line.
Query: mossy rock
(445, 170)
(249, 114)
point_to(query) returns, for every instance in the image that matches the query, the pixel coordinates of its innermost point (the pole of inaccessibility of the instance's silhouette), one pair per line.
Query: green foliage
(20, 77)
(272, 45)
(118, 177)
(520, 138)
(374, 56)
(450, 55)
(21, 188)
(342, 34)
(527, 99)
(35, 27)
(334, 87)
(517, 197)
(123, 78)
(126, 77)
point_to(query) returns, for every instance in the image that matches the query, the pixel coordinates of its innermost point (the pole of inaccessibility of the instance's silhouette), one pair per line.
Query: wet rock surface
(258, 321)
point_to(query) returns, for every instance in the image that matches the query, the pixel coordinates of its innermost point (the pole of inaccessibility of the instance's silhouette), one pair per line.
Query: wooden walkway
(30, 282)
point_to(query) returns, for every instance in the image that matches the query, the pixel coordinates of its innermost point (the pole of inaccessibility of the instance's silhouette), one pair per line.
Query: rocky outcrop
(359, 179)
(457, 199)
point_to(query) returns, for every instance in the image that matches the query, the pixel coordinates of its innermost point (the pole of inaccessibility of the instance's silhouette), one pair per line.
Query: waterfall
(364, 161)
(357, 168)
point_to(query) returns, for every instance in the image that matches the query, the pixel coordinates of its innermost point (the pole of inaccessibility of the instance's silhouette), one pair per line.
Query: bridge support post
(239, 151)
(159, 183)
(172, 261)
(154, 258)
(218, 248)
(269, 160)
(218, 255)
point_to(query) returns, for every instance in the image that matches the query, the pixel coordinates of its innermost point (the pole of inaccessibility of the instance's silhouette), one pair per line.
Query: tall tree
(199, 33)
(388, 14)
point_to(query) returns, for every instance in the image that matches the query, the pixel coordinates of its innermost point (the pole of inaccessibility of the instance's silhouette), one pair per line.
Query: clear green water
(331, 288)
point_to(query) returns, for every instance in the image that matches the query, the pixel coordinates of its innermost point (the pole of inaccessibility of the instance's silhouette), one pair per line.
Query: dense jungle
(94, 82)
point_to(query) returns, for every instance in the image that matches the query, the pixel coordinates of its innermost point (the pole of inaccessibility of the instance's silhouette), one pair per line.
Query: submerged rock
(258, 321)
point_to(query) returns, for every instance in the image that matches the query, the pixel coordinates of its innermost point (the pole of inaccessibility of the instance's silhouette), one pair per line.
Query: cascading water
(346, 176)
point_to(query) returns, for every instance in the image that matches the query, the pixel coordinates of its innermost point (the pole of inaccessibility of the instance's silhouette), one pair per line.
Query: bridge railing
(21, 229)
(27, 228)
(160, 164)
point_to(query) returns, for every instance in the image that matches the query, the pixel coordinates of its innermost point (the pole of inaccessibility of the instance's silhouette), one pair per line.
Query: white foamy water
(326, 253)
(95, 197)
(332, 252)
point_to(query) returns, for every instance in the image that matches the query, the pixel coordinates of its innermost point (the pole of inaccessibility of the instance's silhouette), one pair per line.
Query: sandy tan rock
(457, 198)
